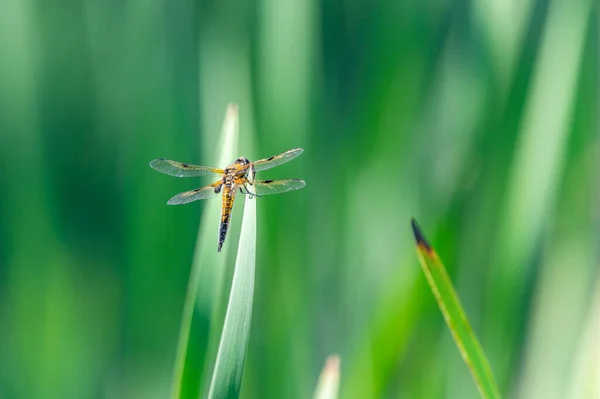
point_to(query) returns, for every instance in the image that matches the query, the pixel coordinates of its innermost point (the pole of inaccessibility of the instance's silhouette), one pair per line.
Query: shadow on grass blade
(455, 317)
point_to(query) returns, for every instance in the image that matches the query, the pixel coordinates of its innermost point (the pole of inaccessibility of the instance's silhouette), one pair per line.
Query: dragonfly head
(242, 161)
(239, 167)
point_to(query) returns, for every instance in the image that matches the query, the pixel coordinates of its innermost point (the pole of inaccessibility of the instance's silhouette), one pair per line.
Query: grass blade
(227, 375)
(206, 280)
(455, 317)
(329, 380)
(586, 366)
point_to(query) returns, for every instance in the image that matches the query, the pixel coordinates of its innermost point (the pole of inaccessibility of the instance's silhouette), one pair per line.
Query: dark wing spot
(162, 159)
(185, 165)
(268, 181)
(218, 189)
(270, 159)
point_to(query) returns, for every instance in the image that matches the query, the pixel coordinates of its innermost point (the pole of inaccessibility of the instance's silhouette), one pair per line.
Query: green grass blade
(329, 380)
(455, 317)
(206, 280)
(227, 375)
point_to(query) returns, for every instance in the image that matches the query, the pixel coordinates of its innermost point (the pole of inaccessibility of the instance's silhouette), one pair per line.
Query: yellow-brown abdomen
(227, 206)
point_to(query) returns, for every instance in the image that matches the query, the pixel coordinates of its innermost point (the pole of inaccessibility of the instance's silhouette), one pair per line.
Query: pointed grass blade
(204, 286)
(329, 380)
(229, 366)
(451, 308)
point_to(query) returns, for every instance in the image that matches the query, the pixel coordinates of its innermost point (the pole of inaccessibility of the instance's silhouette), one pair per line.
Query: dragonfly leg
(244, 190)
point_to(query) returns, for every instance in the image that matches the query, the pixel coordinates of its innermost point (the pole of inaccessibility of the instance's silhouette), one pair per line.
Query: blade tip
(232, 110)
(419, 236)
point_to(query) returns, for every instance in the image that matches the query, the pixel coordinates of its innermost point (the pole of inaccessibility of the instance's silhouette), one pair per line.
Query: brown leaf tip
(419, 237)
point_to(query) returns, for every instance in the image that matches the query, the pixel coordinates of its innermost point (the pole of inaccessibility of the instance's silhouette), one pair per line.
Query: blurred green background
(480, 119)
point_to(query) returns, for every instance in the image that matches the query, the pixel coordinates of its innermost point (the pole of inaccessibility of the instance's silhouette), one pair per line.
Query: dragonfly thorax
(238, 168)
(237, 172)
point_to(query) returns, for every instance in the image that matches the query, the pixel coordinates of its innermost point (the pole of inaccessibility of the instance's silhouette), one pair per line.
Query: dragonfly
(237, 178)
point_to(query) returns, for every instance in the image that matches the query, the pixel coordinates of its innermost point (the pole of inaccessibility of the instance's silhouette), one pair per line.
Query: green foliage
(479, 118)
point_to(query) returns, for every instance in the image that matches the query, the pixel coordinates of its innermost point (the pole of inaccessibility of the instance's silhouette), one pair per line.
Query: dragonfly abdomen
(226, 214)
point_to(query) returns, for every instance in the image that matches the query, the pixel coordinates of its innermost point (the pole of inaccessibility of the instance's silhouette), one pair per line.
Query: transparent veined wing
(268, 187)
(180, 169)
(276, 160)
(206, 192)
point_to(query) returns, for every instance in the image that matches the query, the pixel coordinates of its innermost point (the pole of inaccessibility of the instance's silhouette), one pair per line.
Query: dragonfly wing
(206, 192)
(180, 169)
(276, 160)
(268, 187)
